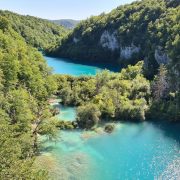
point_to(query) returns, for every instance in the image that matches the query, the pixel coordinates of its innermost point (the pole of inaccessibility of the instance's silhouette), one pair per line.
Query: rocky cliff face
(75, 40)
(161, 57)
(128, 51)
(108, 40)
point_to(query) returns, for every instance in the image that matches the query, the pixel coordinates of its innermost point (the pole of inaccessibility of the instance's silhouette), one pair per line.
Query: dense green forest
(127, 95)
(37, 32)
(25, 86)
(144, 30)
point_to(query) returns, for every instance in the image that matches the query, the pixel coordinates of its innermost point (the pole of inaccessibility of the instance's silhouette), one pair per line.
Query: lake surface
(133, 151)
(67, 66)
(143, 151)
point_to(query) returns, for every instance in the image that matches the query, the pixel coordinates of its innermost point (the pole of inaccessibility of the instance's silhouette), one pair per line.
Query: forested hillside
(144, 30)
(37, 32)
(25, 86)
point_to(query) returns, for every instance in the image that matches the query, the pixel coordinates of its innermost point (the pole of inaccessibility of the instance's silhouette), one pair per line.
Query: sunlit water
(143, 151)
(132, 151)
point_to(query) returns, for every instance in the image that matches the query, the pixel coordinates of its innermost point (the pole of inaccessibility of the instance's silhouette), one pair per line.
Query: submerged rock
(72, 166)
(99, 130)
(88, 134)
(75, 166)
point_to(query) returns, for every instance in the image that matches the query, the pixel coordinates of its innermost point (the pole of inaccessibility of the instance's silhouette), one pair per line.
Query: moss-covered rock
(109, 128)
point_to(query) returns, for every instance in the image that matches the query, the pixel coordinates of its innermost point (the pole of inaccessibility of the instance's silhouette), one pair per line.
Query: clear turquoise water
(66, 113)
(133, 151)
(143, 151)
(66, 66)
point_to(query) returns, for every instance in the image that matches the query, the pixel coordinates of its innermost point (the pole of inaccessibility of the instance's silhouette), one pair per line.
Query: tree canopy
(37, 32)
(25, 86)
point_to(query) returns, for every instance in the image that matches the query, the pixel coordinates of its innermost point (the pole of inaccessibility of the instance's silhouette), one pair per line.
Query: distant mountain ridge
(67, 23)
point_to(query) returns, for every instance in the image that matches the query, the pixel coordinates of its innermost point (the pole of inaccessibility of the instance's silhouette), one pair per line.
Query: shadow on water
(47, 145)
(169, 129)
(114, 67)
(48, 149)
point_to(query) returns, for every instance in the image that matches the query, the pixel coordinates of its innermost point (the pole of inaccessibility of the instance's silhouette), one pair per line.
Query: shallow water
(67, 66)
(142, 151)
(132, 151)
(67, 113)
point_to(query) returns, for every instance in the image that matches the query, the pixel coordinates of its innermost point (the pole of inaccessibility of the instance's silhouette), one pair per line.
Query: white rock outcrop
(108, 40)
(128, 51)
(160, 56)
(75, 40)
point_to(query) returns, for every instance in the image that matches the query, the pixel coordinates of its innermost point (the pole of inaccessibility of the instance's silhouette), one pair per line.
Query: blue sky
(61, 9)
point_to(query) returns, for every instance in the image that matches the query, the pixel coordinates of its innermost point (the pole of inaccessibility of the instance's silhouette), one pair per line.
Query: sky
(61, 9)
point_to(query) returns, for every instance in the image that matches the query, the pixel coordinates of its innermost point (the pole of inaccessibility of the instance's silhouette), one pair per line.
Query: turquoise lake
(143, 151)
(67, 66)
